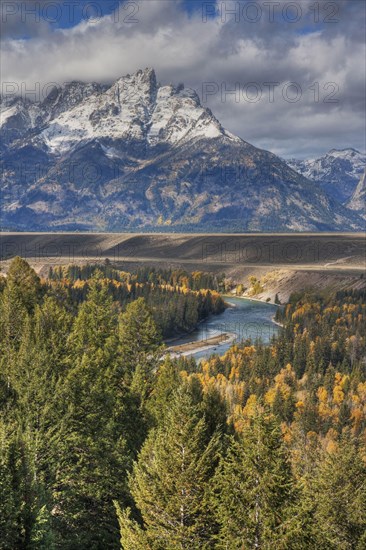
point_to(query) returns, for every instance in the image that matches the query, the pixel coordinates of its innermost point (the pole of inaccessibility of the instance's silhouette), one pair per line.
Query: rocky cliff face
(140, 155)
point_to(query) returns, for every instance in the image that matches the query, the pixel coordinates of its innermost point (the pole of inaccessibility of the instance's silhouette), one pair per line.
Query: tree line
(196, 280)
(177, 301)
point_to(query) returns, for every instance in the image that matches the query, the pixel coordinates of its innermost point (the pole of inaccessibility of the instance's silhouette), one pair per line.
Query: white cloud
(182, 47)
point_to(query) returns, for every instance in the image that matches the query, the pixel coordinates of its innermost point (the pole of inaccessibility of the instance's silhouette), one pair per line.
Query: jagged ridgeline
(338, 172)
(107, 443)
(144, 156)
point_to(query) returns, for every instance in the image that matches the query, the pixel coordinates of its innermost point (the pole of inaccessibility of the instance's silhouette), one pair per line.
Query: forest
(108, 443)
(176, 299)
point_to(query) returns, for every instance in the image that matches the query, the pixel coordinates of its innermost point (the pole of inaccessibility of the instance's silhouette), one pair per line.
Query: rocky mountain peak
(141, 85)
(137, 154)
(61, 99)
(134, 108)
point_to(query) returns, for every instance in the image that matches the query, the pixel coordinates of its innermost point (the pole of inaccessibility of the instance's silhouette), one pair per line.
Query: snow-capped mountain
(138, 155)
(134, 109)
(20, 117)
(338, 172)
(358, 199)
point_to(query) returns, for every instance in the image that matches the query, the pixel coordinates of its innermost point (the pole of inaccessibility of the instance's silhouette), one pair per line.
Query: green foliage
(177, 301)
(253, 494)
(23, 282)
(166, 382)
(337, 497)
(169, 483)
(8, 504)
(139, 339)
(104, 442)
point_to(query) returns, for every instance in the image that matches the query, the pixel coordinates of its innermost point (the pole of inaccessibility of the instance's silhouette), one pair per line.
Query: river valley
(244, 319)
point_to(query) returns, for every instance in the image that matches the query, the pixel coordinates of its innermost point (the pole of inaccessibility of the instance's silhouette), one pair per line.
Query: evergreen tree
(140, 341)
(215, 410)
(338, 498)
(42, 535)
(95, 324)
(170, 483)
(253, 494)
(166, 382)
(9, 528)
(23, 281)
(90, 455)
(140, 351)
(13, 316)
(21, 488)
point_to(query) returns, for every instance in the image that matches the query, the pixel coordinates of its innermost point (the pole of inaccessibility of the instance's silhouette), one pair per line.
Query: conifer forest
(107, 442)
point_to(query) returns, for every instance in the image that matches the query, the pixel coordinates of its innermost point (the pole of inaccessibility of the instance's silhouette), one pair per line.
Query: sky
(285, 76)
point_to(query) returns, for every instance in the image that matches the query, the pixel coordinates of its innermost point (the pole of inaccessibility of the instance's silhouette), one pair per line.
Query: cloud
(321, 53)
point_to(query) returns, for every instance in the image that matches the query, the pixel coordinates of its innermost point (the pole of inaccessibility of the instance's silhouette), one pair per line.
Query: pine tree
(52, 326)
(140, 341)
(9, 514)
(89, 456)
(21, 487)
(170, 483)
(338, 498)
(95, 324)
(140, 352)
(23, 280)
(215, 410)
(89, 452)
(13, 315)
(42, 535)
(253, 495)
(167, 381)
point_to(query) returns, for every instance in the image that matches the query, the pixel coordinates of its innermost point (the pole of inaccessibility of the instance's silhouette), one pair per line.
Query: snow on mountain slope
(134, 108)
(17, 118)
(338, 172)
(178, 114)
(21, 118)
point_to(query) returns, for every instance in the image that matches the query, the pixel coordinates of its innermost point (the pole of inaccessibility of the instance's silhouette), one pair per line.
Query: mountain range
(337, 172)
(136, 155)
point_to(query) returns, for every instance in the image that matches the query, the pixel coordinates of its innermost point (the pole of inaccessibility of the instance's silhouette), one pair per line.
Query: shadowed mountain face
(358, 199)
(137, 155)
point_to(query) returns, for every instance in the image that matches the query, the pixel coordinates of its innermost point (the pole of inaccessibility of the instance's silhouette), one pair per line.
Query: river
(244, 319)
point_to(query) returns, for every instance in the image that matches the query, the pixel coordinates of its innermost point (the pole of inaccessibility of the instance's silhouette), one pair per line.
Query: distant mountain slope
(358, 199)
(140, 155)
(338, 172)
